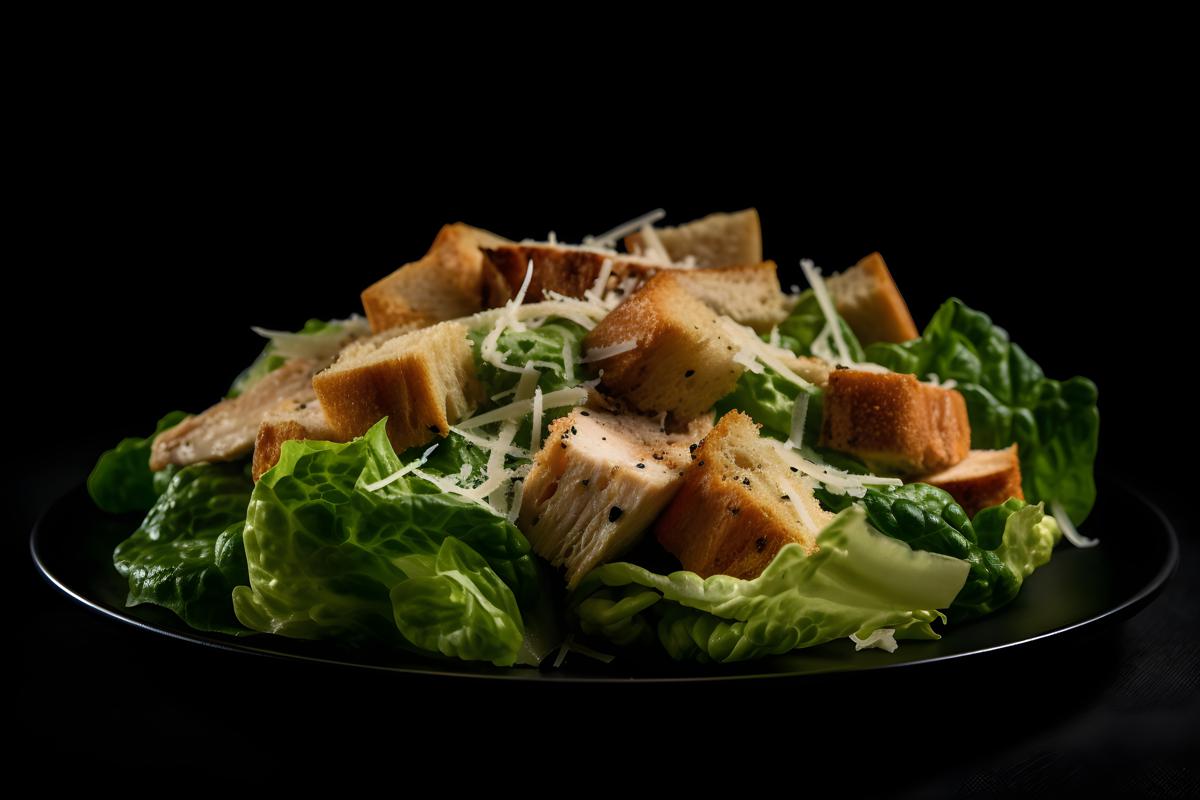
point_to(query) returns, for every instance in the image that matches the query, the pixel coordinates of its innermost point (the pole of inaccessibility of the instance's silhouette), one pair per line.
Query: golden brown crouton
(739, 504)
(984, 478)
(747, 294)
(227, 430)
(445, 284)
(867, 298)
(569, 271)
(422, 382)
(597, 485)
(718, 240)
(298, 418)
(894, 423)
(683, 359)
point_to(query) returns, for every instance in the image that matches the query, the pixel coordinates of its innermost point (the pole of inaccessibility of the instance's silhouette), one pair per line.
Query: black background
(172, 216)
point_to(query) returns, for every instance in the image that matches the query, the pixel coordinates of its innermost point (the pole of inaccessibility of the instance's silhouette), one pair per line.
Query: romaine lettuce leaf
(857, 582)
(187, 555)
(1055, 424)
(927, 518)
(330, 559)
(804, 324)
(122, 481)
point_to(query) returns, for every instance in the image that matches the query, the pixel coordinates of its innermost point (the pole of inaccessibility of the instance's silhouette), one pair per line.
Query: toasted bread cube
(984, 478)
(445, 284)
(868, 299)
(740, 503)
(597, 485)
(683, 362)
(227, 430)
(894, 423)
(749, 294)
(718, 240)
(296, 419)
(569, 271)
(421, 381)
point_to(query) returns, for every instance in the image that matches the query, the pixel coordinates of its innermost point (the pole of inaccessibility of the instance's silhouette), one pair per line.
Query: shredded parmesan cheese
(799, 415)
(1068, 528)
(535, 440)
(407, 468)
(881, 638)
(601, 353)
(611, 237)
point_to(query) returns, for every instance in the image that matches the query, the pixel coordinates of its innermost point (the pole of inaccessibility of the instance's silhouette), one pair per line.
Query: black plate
(1079, 589)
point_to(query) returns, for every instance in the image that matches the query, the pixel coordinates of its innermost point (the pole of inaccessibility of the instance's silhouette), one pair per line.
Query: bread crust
(683, 362)
(734, 511)
(984, 478)
(422, 382)
(447, 283)
(894, 423)
(565, 270)
(718, 240)
(868, 299)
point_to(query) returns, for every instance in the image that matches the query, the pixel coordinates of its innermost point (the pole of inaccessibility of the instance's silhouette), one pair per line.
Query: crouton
(894, 423)
(718, 240)
(598, 483)
(227, 430)
(297, 418)
(567, 270)
(683, 361)
(739, 504)
(748, 294)
(867, 298)
(421, 381)
(984, 478)
(445, 284)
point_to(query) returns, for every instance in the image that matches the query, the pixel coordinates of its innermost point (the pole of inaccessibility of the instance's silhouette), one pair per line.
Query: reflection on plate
(73, 542)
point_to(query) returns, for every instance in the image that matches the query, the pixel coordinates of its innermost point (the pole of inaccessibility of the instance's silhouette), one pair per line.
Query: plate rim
(1121, 611)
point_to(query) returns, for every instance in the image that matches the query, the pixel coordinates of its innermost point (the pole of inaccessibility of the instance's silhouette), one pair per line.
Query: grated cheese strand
(407, 468)
(610, 238)
(823, 300)
(1068, 528)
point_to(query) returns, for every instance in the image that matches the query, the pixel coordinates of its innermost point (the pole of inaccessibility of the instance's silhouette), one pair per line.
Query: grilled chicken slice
(597, 485)
(227, 430)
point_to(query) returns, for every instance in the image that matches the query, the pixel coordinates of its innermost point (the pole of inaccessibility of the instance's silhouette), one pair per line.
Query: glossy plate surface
(1079, 589)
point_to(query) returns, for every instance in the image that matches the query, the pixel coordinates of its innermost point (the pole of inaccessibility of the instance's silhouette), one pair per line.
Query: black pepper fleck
(700, 464)
(734, 511)
(641, 466)
(689, 373)
(745, 481)
(794, 469)
(584, 414)
(614, 513)
(760, 543)
(585, 481)
(784, 497)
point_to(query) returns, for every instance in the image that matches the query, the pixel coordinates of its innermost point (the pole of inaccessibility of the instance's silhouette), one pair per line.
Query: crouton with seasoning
(739, 504)
(445, 284)
(423, 382)
(868, 299)
(683, 361)
(597, 485)
(984, 478)
(895, 424)
(748, 294)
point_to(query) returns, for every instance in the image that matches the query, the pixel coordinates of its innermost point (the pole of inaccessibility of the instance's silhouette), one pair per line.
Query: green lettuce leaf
(268, 361)
(188, 555)
(804, 324)
(857, 582)
(769, 399)
(330, 559)
(1055, 424)
(927, 518)
(122, 481)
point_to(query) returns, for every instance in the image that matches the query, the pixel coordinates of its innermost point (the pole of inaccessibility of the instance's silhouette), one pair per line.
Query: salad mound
(529, 447)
